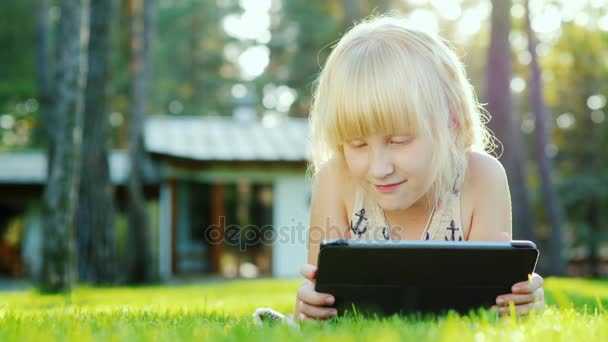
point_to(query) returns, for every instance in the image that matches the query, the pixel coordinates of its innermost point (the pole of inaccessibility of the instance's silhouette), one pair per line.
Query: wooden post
(218, 214)
(173, 224)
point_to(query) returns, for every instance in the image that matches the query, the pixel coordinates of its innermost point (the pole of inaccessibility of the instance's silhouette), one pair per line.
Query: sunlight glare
(424, 20)
(253, 61)
(448, 9)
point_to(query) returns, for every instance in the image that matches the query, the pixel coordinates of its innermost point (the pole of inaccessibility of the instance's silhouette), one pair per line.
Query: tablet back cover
(387, 277)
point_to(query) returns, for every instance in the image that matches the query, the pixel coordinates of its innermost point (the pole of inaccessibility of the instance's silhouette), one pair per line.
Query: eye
(357, 144)
(400, 141)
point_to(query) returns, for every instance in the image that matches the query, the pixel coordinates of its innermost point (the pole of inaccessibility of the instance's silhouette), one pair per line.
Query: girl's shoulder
(485, 197)
(482, 170)
(334, 181)
(328, 218)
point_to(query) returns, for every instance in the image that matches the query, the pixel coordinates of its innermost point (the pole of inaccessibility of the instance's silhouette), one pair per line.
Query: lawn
(222, 311)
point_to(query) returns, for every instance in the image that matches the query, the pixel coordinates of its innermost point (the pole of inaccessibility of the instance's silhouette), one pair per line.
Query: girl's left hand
(526, 295)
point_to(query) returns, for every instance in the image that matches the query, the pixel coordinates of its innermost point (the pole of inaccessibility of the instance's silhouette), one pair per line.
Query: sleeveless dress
(367, 220)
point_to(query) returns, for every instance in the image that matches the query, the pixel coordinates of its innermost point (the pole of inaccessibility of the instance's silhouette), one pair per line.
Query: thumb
(308, 271)
(504, 236)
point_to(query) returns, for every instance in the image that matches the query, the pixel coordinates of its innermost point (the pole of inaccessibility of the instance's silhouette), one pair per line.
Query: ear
(454, 123)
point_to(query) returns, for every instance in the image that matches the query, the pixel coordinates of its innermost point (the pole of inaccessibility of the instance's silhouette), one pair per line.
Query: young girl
(399, 152)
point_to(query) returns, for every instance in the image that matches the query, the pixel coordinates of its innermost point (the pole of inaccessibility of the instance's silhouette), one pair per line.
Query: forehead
(365, 112)
(379, 86)
(383, 136)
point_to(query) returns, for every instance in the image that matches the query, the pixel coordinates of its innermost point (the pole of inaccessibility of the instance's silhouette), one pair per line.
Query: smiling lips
(388, 187)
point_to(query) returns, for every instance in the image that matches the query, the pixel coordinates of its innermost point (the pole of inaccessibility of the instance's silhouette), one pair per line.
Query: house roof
(214, 138)
(200, 138)
(29, 167)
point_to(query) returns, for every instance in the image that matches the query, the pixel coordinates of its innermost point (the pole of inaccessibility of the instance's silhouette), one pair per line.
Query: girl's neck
(420, 210)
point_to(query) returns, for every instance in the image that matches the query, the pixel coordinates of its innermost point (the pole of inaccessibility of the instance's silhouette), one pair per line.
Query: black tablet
(388, 277)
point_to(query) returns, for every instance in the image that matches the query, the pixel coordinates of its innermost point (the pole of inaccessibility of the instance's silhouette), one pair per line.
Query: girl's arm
(491, 221)
(327, 221)
(488, 188)
(328, 218)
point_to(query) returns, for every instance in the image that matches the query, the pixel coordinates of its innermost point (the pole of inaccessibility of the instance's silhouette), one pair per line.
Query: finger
(308, 271)
(317, 312)
(308, 320)
(307, 294)
(299, 315)
(522, 310)
(536, 296)
(303, 317)
(535, 282)
(504, 236)
(517, 299)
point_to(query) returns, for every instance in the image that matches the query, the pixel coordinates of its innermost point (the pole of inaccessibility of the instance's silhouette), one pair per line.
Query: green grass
(222, 311)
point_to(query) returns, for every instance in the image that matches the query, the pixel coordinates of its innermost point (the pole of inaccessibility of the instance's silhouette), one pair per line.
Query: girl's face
(395, 169)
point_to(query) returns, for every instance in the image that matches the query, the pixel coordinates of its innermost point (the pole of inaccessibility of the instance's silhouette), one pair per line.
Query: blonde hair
(383, 77)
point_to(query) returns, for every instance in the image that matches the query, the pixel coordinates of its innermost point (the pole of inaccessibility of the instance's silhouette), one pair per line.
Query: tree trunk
(142, 14)
(524, 220)
(61, 191)
(43, 70)
(549, 195)
(594, 241)
(498, 97)
(95, 217)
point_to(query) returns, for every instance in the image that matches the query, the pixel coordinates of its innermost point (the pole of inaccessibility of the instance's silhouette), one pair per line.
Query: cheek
(424, 162)
(356, 162)
(415, 162)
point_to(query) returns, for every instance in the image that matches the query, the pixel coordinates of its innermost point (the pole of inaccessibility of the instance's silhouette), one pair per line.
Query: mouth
(388, 187)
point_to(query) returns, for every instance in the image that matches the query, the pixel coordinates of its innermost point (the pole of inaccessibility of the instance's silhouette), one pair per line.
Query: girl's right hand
(312, 305)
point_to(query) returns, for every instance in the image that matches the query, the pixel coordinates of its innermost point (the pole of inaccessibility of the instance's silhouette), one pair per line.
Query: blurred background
(146, 141)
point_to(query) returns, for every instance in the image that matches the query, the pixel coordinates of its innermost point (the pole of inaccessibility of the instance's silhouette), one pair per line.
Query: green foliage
(18, 123)
(18, 114)
(300, 44)
(189, 67)
(576, 76)
(222, 311)
(17, 56)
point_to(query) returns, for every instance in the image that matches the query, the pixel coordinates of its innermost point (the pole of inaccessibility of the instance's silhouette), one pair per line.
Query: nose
(381, 165)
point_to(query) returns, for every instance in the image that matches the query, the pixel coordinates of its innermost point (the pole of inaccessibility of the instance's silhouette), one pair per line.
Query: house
(252, 176)
(22, 178)
(226, 197)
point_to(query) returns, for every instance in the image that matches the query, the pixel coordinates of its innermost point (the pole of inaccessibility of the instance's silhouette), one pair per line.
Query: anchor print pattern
(361, 221)
(453, 228)
(385, 233)
(445, 220)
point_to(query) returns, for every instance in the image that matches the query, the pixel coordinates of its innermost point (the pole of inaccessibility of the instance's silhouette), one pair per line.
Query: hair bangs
(368, 96)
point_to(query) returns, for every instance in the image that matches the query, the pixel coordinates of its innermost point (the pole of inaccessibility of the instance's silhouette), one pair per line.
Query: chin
(393, 205)
(395, 201)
